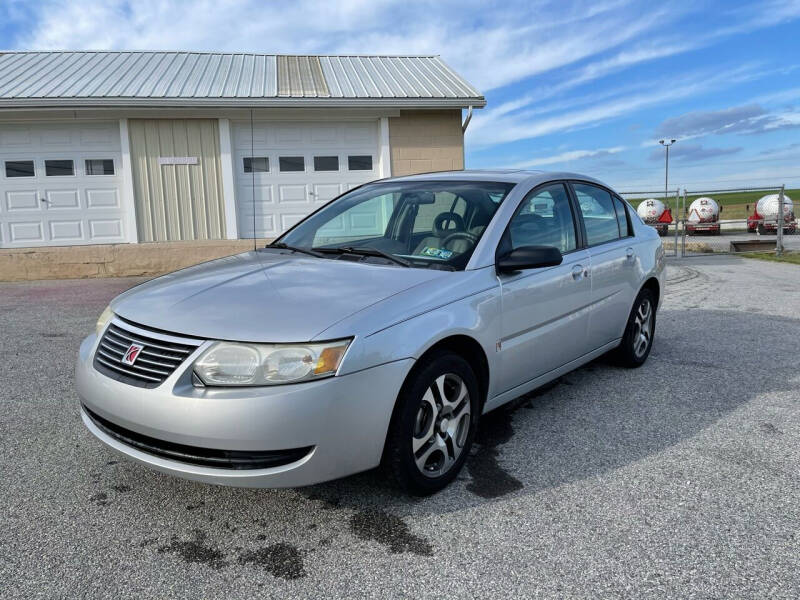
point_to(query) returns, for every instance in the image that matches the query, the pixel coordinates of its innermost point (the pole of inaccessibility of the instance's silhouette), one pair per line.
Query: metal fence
(667, 225)
(723, 221)
(731, 220)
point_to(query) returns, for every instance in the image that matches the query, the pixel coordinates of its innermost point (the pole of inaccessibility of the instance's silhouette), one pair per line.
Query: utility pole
(666, 145)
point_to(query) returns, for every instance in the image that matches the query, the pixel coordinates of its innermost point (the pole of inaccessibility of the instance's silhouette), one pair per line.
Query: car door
(544, 322)
(613, 261)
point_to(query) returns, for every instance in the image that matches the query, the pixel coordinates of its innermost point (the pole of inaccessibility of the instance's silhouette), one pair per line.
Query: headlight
(229, 363)
(103, 320)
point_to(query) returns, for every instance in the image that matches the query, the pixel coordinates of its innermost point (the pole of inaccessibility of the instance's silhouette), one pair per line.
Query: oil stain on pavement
(281, 560)
(489, 479)
(196, 551)
(389, 530)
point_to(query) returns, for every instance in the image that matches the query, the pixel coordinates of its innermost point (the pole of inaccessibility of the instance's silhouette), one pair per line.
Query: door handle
(578, 271)
(629, 253)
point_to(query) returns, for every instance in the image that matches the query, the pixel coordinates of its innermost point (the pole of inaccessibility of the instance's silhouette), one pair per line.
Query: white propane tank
(650, 210)
(767, 207)
(704, 210)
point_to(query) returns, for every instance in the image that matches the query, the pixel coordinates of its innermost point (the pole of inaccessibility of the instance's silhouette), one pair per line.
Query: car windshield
(420, 224)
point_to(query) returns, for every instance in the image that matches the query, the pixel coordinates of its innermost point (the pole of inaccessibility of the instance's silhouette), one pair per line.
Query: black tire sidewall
(626, 353)
(399, 454)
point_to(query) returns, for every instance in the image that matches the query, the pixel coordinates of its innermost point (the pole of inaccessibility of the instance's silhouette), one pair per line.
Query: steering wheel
(442, 220)
(460, 235)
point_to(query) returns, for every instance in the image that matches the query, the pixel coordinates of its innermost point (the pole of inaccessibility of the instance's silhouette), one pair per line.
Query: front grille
(206, 457)
(161, 354)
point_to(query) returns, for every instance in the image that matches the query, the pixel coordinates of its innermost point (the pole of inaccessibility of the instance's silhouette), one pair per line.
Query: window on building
(292, 163)
(19, 168)
(59, 168)
(359, 163)
(326, 163)
(256, 164)
(101, 166)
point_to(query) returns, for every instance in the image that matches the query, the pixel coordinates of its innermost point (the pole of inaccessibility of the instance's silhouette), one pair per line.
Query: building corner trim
(228, 186)
(128, 200)
(385, 161)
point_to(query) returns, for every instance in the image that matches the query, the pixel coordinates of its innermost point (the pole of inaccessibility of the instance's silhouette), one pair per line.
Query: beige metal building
(125, 147)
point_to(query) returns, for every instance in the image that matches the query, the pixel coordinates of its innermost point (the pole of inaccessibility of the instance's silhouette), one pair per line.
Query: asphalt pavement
(677, 480)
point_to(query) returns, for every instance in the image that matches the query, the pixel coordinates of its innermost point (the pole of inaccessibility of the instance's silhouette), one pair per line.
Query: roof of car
(502, 175)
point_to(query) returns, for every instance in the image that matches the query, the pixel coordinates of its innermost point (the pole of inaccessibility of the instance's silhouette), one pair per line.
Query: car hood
(264, 296)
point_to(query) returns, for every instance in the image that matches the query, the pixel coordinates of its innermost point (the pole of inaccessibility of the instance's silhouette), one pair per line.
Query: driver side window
(544, 218)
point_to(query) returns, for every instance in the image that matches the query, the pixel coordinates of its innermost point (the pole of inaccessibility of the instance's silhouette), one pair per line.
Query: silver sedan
(375, 331)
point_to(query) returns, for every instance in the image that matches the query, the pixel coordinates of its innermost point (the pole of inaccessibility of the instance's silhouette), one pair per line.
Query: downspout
(465, 124)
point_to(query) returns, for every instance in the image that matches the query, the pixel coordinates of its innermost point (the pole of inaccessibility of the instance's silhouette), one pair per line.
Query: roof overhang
(384, 103)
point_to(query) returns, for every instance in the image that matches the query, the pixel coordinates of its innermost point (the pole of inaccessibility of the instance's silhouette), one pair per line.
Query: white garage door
(60, 185)
(294, 168)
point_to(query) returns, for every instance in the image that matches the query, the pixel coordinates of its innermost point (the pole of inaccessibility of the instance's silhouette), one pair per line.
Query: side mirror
(529, 257)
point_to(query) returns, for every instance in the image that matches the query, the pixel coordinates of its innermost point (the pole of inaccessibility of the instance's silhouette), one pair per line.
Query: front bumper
(344, 420)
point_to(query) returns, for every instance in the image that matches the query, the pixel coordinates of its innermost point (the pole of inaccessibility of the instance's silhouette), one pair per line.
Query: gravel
(677, 480)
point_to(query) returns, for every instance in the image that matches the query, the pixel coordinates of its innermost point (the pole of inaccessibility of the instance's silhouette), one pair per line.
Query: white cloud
(566, 157)
(491, 47)
(490, 128)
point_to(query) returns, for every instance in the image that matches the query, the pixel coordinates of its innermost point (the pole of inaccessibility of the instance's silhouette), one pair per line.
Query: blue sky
(588, 86)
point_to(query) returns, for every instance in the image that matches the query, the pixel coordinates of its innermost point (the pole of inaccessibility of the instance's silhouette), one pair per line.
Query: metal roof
(197, 78)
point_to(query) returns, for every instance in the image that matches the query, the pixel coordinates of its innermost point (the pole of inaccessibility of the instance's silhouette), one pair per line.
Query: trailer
(765, 215)
(656, 214)
(703, 217)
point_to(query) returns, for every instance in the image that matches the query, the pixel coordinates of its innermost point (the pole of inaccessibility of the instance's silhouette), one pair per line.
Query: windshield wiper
(366, 251)
(282, 246)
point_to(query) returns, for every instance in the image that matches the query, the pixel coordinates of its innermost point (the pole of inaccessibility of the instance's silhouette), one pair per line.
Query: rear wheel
(434, 424)
(639, 332)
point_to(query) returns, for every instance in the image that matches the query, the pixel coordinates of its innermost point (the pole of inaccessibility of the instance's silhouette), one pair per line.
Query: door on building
(60, 184)
(292, 168)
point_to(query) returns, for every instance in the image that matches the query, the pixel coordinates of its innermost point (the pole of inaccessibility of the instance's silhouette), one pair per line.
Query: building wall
(426, 140)
(177, 202)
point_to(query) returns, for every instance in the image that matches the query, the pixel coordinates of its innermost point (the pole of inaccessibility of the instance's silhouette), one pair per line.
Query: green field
(735, 204)
(787, 257)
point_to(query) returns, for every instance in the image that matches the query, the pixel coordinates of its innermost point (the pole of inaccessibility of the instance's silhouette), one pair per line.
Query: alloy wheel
(441, 426)
(643, 332)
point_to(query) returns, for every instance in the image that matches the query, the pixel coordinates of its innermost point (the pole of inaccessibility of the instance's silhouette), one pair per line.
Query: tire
(634, 348)
(422, 412)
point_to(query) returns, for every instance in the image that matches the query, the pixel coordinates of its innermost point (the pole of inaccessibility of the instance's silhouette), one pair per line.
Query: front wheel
(639, 332)
(434, 424)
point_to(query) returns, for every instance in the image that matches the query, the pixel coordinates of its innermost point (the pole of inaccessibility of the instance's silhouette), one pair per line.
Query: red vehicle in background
(765, 215)
(703, 217)
(656, 214)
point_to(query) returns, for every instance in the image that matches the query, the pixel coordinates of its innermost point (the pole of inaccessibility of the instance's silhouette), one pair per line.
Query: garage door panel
(66, 231)
(57, 136)
(83, 208)
(22, 232)
(62, 199)
(290, 220)
(94, 135)
(360, 133)
(295, 194)
(102, 198)
(16, 137)
(325, 134)
(101, 230)
(292, 193)
(324, 192)
(22, 200)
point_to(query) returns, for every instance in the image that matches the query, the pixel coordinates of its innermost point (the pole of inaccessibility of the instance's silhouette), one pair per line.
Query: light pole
(666, 145)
